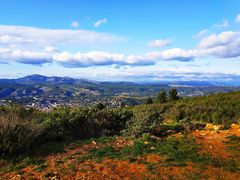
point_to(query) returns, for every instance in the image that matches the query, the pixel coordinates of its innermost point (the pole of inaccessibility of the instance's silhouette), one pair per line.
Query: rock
(94, 142)
(235, 126)
(209, 126)
(213, 127)
(152, 148)
(146, 142)
(218, 127)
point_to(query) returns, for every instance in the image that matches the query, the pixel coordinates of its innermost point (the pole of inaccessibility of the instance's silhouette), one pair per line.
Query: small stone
(146, 142)
(152, 148)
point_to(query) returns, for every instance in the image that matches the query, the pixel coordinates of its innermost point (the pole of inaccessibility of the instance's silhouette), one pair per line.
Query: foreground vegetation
(162, 129)
(175, 157)
(23, 129)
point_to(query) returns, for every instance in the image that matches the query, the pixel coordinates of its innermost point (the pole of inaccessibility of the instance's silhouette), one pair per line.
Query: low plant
(18, 134)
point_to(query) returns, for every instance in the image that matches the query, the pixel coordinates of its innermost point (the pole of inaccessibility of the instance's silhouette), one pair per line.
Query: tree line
(164, 97)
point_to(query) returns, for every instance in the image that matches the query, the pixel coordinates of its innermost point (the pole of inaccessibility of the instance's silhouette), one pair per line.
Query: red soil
(65, 165)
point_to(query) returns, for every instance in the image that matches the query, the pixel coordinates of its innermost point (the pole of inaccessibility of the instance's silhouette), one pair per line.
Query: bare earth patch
(67, 165)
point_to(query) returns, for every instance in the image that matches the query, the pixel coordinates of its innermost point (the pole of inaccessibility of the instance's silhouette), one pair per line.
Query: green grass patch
(51, 148)
(233, 143)
(177, 151)
(41, 167)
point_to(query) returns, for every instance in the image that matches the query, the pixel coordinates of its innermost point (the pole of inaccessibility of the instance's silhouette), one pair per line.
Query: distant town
(48, 92)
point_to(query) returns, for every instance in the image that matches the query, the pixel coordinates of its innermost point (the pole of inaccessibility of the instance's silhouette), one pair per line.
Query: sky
(121, 40)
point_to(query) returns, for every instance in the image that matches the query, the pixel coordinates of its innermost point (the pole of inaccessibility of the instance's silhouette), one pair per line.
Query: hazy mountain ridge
(65, 90)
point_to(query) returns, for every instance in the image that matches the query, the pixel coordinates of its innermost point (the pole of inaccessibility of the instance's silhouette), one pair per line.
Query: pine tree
(149, 100)
(162, 96)
(100, 106)
(173, 95)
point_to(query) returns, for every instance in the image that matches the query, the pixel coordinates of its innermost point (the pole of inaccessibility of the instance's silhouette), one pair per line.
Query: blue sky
(116, 40)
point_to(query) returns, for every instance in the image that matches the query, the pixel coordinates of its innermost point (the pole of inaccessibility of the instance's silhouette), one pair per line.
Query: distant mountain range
(38, 89)
(36, 78)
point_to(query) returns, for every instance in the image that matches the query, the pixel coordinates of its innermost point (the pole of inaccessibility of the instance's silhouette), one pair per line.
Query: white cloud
(100, 22)
(25, 56)
(213, 28)
(99, 58)
(145, 74)
(221, 39)
(9, 39)
(35, 38)
(238, 18)
(172, 54)
(224, 24)
(38, 46)
(67, 59)
(75, 24)
(92, 58)
(157, 43)
(223, 45)
(201, 34)
(50, 49)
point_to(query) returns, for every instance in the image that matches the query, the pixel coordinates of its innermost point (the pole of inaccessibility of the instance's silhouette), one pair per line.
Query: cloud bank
(37, 46)
(32, 37)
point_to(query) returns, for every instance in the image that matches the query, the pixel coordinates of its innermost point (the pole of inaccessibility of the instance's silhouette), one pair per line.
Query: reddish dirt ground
(65, 165)
(213, 141)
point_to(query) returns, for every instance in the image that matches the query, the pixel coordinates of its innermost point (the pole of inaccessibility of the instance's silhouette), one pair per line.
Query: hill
(45, 92)
(193, 138)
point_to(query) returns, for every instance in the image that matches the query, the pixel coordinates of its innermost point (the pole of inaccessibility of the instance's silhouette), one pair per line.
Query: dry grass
(17, 134)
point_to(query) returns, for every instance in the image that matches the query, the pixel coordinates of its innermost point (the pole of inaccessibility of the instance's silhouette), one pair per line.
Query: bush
(64, 123)
(145, 120)
(17, 134)
(112, 121)
(223, 108)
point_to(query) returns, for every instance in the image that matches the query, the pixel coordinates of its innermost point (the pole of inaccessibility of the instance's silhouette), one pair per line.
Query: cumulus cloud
(67, 59)
(74, 24)
(99, 58)
(100, 22)
(39, 46)
(176, 54)
(93, 58)
(221, 39)
(223, 45)
(238, 18)
(25, 57)
(157, 43)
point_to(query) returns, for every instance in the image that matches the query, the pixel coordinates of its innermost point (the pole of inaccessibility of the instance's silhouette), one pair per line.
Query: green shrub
(112, 121)
(145, 120)
(66, 123)
(223, 108)
(84, 123)
(17, 134)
